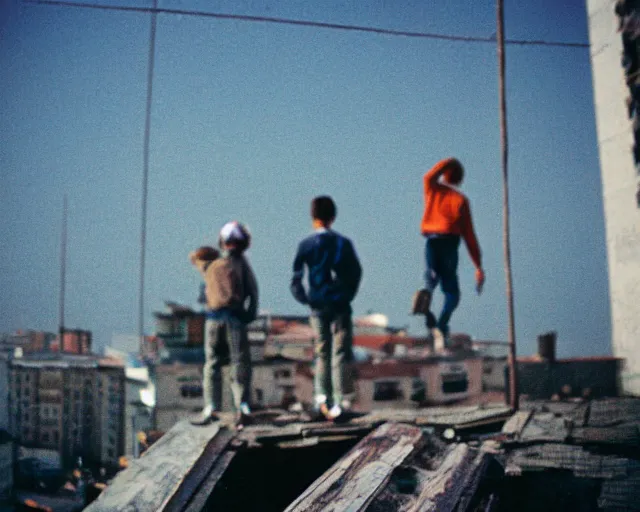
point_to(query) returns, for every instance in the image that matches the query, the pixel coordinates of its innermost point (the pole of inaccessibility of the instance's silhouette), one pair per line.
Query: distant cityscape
(74, 412)
(76, 418)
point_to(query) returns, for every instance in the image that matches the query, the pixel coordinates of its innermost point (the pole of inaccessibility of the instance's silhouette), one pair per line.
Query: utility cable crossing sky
(307, 23)
(155, 10)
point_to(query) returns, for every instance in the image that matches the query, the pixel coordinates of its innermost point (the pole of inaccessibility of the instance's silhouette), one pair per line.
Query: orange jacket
(447, 211)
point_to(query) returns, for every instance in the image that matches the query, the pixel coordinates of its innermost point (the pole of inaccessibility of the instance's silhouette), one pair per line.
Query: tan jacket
(229, 282)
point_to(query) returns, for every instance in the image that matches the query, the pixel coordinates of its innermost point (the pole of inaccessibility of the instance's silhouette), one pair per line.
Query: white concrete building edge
(619, 185)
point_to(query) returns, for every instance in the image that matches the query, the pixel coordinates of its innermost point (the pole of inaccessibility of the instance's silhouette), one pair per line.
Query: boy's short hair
(454, 173)
(207, 253)
(323, 208)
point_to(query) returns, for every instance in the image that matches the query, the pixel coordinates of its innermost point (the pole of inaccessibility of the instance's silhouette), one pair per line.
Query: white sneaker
(439, 341)
(334, 412)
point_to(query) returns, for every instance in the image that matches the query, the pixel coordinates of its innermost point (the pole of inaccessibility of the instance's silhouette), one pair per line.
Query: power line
(306, 23)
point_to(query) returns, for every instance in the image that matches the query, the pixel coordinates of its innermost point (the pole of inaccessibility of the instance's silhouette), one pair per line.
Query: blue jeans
(441, 253)
(333, 349)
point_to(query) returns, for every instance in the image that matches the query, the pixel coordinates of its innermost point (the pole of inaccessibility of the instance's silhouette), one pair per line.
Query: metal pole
(513, 373)
(145, 171)
(63, 272)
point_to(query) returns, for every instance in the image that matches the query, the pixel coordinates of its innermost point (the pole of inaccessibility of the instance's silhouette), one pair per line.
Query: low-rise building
(406, 382)
(494, 363)
(177, 374)
(27, 341)
(64, 407)
(178, 387)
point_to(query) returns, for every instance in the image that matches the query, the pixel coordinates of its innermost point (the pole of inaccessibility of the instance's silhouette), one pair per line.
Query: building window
(385, 390)
(418, 390)
(191, 390)
(282, 374)
(454, 382)
(45, 437)
(56, 437)
(259, 395)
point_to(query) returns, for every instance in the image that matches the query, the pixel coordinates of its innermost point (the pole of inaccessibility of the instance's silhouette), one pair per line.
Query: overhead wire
(307, 23)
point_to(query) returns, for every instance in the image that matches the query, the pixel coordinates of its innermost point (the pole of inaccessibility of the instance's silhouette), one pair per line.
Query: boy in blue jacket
(333, 275)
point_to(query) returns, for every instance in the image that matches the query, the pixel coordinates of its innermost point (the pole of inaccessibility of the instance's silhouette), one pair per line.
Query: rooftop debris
(545, 455)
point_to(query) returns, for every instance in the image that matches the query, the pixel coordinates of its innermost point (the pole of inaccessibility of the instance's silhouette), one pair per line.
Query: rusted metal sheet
(545, 427)
(614, 411)
(472, 479)
(626, 435)
(150, 482)
(353, 482)
(574, 458)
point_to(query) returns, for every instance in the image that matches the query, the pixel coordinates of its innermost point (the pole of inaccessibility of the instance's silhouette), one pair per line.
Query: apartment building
(4, 390)
(63, 407)
(6, 466)
(615, 52)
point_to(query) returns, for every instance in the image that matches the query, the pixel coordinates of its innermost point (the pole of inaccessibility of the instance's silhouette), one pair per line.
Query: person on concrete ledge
(333, 272)
(446, 219)
(232, 303)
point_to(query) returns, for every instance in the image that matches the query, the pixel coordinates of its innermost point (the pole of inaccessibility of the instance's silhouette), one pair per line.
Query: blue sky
(251, 120)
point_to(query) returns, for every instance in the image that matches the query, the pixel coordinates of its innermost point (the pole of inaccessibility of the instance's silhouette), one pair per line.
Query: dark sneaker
(420, 302)
(242, 420)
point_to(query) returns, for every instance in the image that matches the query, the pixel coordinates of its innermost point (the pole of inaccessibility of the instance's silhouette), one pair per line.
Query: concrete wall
(594, 378)
(619, 184)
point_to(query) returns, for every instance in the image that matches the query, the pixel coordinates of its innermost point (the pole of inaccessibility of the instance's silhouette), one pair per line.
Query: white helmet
(235, 233)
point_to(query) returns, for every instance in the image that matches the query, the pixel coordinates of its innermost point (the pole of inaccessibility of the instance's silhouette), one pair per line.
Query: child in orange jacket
(446, 219)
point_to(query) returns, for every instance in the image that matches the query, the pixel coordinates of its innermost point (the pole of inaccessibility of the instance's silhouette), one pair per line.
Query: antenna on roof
(145, 171)
(63, 270)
